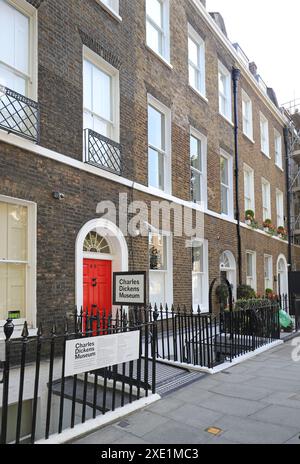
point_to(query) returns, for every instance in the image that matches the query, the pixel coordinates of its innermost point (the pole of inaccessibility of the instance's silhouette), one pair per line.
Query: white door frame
(116, 242)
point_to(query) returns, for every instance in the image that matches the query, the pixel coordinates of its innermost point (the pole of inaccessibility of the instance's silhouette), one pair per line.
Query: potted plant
(269, 293)
(267, 225)
(281, 231)
(249, 217)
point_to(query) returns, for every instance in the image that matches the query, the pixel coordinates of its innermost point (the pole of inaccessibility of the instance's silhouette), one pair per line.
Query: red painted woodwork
(97, 286)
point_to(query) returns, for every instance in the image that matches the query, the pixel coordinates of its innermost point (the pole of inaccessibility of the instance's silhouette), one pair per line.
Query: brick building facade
(153, 81)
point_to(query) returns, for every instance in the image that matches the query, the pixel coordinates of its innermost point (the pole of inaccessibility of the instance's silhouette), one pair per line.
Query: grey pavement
(255, 402)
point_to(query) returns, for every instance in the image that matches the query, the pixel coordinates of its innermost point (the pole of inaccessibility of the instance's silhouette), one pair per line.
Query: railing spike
(40, 330)
(25, 331)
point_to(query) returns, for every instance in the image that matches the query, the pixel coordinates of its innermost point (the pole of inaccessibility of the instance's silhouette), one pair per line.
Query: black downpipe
(288, 192)
(236, 73)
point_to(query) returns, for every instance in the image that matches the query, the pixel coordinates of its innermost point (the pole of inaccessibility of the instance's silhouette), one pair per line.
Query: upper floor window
(18, 44)
(196, 52)
(226, 174)
(157, 27)
(249, 188)
(100, 96)
(264, 135)
(279, 208)
(266, 200)
(159, 133)
(198, 149)
(225, 100)
(247, 116)
(112, 4)
(278, 149)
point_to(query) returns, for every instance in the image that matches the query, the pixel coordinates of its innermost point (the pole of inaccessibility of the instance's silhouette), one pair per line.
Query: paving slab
(196, 416)
(142, 423)
(252, 431)
(281, 415)
(235, 406)
(177, 433)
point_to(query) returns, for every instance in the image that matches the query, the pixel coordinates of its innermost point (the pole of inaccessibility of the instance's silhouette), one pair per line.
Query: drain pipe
(236, 74)
(288, 190)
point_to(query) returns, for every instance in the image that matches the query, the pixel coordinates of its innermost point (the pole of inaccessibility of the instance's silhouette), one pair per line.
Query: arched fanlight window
(227, 261)
(281, 265)
(95, 243)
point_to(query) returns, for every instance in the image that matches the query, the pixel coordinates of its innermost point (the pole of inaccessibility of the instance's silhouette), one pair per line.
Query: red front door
(97, 286)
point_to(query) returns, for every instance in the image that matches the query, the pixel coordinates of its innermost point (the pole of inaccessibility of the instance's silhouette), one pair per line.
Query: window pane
(155, 11)
(196, 186)
(157, 288)
(156, 169)
(224, 171)
(156, 123)
(13, 229)
(198, 259)
(12, 81)
(14, 38)
(198, 290)
(195, 148)
(12, 290)
(249, 265)
(157, 252)
(21, 42)
(154, 38)
(224, 200)
(194, 77)
(102, 97)
(193, 52)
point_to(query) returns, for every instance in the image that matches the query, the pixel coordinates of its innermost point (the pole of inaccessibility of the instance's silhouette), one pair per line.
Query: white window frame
(112, 7)
(156, 104)
(32, 78)
(31, 271)
(279, 208)
(268, 259)
(251, 280)
(203, 174)
(168, 273)
(200, 69)
(278, 149)
(102, 65)
(250, 171)
(204, 305)
(222, 70)
(164, 31)
(266, 202)
(229, 187)
(264, 136)
(247, 115)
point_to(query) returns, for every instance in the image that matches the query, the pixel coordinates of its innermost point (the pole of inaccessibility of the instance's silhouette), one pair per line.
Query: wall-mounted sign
(129, 288)
(88, 354)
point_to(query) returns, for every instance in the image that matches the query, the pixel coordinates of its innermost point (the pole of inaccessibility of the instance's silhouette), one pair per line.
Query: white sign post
(129, 288)
(88, 354)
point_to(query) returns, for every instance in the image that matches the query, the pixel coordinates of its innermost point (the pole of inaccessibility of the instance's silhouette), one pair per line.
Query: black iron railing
(102, 152)
(34, 368)
(19, 115)
(207, 340)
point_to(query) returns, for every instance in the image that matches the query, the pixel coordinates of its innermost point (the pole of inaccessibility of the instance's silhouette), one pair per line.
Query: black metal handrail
(102, 152)
(19, 115)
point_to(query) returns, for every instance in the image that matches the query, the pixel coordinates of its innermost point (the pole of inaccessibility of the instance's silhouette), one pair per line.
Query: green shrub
(253, 303)
(245, 292)
(222, 293)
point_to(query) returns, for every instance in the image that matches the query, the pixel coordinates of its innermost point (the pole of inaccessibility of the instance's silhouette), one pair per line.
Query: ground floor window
(268, 267)
(251, 269)
(160, 264)
(200, 275)
(17, 260)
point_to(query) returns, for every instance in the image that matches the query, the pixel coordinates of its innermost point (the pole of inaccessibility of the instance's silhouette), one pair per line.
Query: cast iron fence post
(154, 348)
(8, 331)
